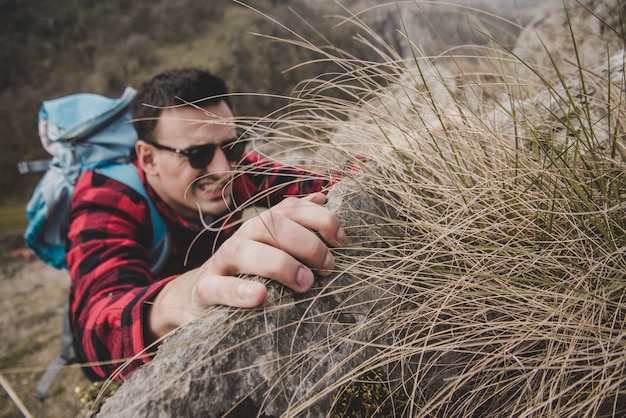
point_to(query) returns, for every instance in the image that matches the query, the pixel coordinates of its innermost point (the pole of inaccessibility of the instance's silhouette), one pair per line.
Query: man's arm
(108, 260)
(264, 182)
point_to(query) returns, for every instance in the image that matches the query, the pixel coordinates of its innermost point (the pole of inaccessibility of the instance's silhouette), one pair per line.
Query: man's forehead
(214, 120)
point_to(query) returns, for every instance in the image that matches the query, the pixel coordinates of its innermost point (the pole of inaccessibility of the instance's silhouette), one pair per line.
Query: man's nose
(219, 161)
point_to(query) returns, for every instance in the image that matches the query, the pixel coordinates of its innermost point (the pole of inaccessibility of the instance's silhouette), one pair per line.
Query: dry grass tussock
(504, 264)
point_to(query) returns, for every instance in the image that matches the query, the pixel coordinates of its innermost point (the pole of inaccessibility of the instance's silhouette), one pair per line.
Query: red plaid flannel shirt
(108, 256)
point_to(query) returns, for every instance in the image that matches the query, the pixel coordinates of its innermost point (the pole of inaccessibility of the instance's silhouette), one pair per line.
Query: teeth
(207, 187)
(215, 184)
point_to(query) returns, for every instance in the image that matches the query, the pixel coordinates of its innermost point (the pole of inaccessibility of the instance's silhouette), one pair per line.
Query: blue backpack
(82, 132)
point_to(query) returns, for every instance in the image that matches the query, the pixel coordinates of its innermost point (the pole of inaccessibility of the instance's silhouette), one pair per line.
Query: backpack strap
(34, 166)
(127, 173)
(65, 357)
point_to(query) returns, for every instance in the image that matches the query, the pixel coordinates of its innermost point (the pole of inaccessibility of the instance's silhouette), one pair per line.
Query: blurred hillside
(49, 49)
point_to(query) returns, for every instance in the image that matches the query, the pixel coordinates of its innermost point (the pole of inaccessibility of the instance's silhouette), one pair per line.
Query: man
(193, 167)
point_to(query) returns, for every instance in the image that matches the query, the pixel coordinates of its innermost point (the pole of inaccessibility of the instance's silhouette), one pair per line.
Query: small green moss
(94, 396)
(370, 395)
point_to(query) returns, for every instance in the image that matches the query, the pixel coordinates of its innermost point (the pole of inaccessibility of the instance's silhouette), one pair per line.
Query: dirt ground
(32, 296)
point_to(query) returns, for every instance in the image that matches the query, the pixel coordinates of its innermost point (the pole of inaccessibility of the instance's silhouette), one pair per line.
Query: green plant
(367, 396)
(95, 395)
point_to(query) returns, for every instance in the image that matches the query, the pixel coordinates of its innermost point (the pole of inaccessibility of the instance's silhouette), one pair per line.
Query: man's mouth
(214, 190)
(208, 187)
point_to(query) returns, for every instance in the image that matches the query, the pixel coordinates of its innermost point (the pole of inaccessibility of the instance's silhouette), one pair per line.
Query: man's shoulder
(107, 178)
(98, 187)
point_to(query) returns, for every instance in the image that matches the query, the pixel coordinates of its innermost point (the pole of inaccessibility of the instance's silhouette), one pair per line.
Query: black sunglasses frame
(200, 156)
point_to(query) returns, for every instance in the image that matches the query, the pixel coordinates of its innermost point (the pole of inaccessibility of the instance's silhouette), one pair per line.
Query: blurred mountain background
(50, 49)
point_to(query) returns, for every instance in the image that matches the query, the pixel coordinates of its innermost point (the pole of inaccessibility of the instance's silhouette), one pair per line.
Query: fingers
(243, 256)
(286, 266)
(306, 213)
(291, 227)
(287, 243)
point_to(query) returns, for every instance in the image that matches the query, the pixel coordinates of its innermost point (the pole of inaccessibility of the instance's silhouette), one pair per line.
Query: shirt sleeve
(109, 241)
(264, 182)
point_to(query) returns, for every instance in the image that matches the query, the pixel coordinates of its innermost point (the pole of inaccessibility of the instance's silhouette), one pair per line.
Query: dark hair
(173, 88)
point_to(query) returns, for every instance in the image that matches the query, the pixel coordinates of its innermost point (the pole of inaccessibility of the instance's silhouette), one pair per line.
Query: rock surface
(264, 362)
(581, 32)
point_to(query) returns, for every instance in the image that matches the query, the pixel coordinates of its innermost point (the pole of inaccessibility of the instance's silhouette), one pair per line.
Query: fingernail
(304, 278)
(247, 291)
(329, 264)
(341, 237)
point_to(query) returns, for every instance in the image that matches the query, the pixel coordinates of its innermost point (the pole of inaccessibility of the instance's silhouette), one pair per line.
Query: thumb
(229, 291)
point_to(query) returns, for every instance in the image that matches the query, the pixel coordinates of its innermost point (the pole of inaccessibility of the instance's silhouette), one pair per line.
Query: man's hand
(282, 243)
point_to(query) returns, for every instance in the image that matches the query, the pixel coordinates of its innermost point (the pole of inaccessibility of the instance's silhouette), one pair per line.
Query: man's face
(181, 186)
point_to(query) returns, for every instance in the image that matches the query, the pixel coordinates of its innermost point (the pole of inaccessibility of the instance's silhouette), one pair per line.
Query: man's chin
(216, 202)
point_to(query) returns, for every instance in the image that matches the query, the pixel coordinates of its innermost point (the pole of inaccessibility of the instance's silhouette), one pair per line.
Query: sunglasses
(202, 155)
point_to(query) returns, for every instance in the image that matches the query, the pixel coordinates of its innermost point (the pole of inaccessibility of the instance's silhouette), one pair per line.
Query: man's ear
(146, 157)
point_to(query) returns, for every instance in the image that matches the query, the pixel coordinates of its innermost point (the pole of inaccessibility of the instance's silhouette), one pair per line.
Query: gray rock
(266, 361)
(574, 34)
